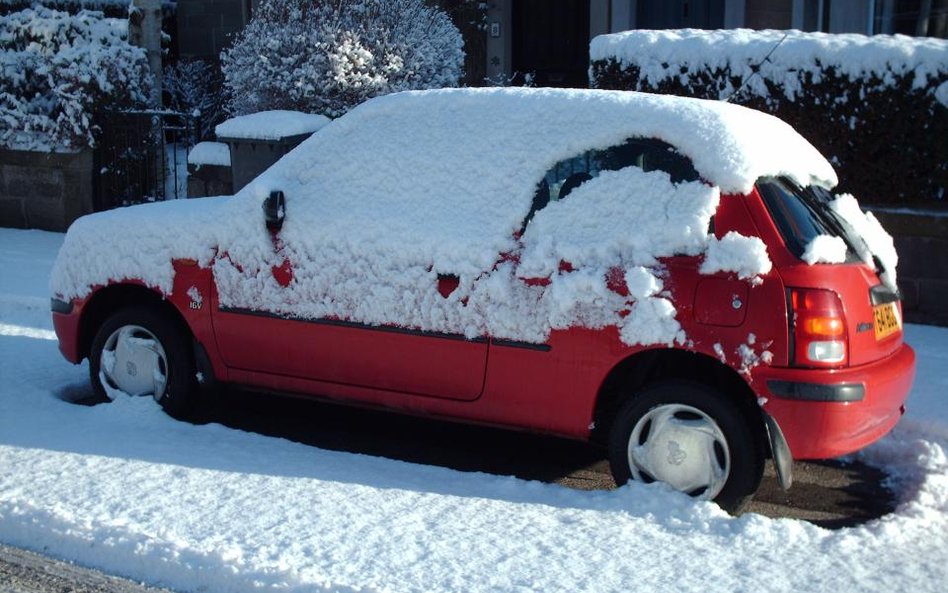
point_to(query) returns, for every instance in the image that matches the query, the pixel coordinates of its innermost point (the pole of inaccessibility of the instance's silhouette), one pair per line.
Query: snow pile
(751, 355)
(678, 54)
(410, 186)
(747, 256)
(602, 222)
(877, 243)
(130, 491)
(94, 253)
(57, 70)
(825, 249)
(270, 125)
(600, 227)
(330, 55)
(209, 153)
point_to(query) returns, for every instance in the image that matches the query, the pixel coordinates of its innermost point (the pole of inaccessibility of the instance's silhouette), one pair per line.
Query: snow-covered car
(669, 277)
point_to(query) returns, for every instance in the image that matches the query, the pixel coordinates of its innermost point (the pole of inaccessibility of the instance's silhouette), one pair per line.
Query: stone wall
(251, 157)
(42, 190)
(209, 180)
(922, 242)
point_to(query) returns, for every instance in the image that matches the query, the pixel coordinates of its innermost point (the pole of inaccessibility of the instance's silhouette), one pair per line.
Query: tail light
(818, 327)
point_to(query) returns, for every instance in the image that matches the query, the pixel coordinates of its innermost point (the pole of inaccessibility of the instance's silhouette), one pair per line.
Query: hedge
(875, 106)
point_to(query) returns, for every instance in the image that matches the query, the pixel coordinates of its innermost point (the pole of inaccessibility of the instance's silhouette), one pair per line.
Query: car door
(337, 350)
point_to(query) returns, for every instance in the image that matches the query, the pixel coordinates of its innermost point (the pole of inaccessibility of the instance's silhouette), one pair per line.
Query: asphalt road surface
(831, 494)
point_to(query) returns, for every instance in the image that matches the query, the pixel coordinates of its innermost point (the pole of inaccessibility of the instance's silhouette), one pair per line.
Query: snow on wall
(670, 54)
(410, 186)
(209, 153)
(270, 125)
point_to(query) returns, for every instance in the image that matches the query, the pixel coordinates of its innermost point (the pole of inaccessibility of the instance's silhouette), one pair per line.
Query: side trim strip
(524, 345)
(60, 306)
(353, 324)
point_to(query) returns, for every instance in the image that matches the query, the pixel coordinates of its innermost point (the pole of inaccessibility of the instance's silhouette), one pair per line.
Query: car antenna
(755, 68)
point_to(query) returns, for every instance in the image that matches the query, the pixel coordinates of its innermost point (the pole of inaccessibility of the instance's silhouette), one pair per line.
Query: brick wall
(44, 190)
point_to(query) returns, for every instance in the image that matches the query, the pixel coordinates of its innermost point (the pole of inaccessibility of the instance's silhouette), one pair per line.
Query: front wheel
(139, 351)
(692, 438)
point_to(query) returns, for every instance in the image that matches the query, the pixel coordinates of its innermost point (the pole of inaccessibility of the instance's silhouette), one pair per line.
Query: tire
(145, 353)
(693, 438)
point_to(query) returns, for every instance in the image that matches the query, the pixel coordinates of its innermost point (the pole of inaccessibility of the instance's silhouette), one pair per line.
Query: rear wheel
(692, 438)
(140, 351)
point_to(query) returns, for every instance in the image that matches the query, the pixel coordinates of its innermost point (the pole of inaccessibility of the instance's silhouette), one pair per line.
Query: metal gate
(140, 156)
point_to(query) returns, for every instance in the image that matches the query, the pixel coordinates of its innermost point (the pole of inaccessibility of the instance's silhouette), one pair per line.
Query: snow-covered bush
(326, 56)
(59, 70)
(194, 87)
(876, 106)
(112, 8)
(470, 17)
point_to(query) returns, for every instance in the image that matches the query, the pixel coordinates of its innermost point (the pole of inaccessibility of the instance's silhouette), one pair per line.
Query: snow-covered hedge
(326, 56)
(876, 106)
(58, 70)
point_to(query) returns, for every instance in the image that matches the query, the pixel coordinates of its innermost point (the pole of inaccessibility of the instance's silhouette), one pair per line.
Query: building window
(922, 18)
(816, 15)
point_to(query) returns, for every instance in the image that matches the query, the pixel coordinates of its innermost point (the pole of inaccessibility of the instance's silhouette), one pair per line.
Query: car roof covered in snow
(455, 170)
(731, 146)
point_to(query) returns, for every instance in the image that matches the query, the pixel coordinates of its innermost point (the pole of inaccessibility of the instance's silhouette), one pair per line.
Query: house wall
(768, 14)
(849, 16)
(205, 27)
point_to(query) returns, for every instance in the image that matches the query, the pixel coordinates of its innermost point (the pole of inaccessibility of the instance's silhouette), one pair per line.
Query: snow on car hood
(409, 186)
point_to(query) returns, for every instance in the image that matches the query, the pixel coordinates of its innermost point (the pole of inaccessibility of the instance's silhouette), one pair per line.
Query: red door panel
(381, 358)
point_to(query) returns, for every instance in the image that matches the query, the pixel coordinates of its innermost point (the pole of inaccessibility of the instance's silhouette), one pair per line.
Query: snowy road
(123, 488)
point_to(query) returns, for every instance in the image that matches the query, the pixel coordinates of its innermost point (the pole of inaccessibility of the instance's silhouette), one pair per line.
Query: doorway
(550, 42)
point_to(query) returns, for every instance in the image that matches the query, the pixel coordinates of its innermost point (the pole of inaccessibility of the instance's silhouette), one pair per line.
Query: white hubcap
(133, 362)
(681, 446)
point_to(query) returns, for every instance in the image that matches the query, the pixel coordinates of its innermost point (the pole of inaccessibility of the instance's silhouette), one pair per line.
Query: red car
(669, 277)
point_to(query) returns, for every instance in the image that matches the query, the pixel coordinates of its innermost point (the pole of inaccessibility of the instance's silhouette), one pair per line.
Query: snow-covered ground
(124, 488)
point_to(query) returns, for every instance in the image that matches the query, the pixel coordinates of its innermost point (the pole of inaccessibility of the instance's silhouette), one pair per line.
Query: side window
(645, 153)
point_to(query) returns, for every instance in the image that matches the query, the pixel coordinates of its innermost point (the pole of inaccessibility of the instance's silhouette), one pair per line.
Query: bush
(58, 70)
(326, 56)
(110, 8)
(875, 106)
(193, 87)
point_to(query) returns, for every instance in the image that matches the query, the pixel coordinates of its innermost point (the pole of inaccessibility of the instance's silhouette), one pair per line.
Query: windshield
(802, 214)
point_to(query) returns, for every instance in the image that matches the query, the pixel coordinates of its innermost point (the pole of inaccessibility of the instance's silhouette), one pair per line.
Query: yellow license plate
(886, 320)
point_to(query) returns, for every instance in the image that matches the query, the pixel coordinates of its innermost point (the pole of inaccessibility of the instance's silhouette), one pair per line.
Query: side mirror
(274, 210)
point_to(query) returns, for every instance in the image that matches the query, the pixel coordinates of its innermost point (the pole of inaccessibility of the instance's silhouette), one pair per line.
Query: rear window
(802, 214)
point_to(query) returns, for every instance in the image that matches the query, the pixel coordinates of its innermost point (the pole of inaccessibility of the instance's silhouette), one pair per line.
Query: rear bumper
(828, 413)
